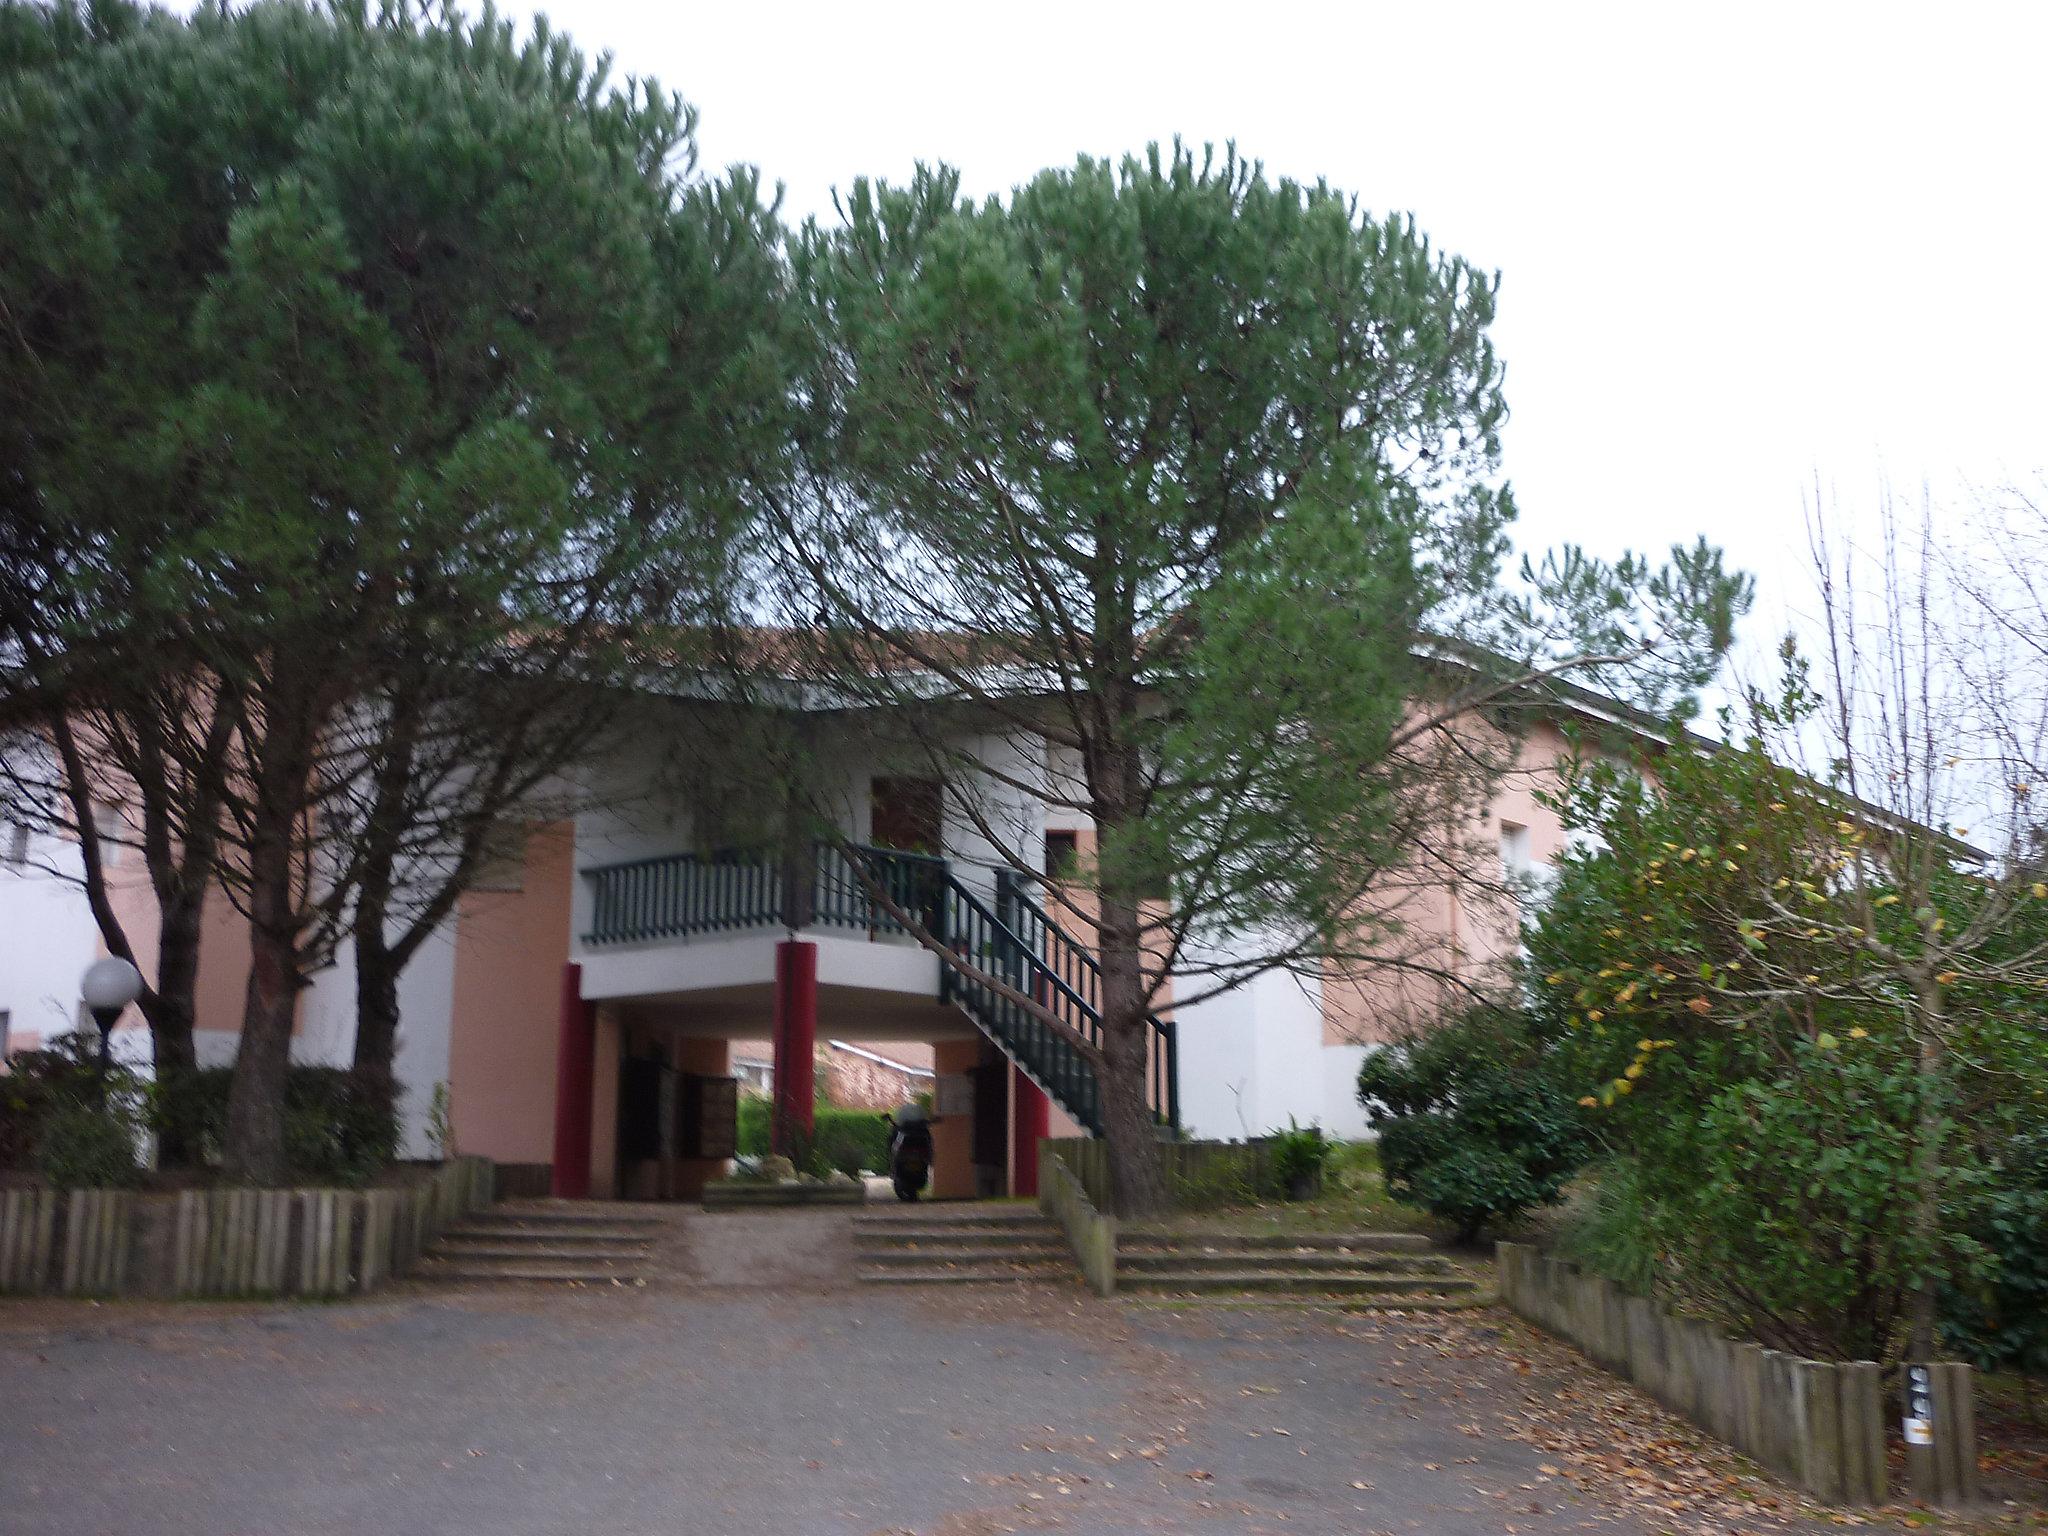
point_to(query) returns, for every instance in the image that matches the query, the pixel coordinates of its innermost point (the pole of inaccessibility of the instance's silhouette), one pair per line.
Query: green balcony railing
(1012, 942)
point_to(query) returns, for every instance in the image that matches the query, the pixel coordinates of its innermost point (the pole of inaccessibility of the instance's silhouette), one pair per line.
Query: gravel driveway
(703, 1406)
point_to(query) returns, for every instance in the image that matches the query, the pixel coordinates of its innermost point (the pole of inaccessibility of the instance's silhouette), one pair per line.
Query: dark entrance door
(907, 814)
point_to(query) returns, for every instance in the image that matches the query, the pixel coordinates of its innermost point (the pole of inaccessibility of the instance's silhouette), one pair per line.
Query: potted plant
(1298, 1156)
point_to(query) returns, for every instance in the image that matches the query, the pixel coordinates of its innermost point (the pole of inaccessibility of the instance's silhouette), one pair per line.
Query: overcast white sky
(1741, 248)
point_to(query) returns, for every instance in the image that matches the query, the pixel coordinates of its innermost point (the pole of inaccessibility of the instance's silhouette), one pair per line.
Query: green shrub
(1297, 1158)
(1476, 1124)
(2000, 1323)
(756, 1118)
(83, 1146)
(66, 1120)
(1779, 1207)
(843, 1139)
(340, 1126)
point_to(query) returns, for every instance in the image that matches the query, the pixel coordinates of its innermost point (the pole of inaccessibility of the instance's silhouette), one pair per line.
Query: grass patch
(1354, 1198)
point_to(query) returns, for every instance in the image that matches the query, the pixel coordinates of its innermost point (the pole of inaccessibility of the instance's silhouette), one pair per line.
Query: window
(109, 827)
(1062, 853)
(501, 866)
(16, 853)
(1515, 861)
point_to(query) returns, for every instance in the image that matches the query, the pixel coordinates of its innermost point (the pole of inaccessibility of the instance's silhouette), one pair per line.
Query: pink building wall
(510, 947)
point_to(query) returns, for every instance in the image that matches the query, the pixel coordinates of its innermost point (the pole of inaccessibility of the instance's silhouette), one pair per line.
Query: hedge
(850, 1141)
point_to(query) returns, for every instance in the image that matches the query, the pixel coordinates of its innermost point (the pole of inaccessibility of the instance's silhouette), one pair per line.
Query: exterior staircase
(973, 1245)
(1018, 944)
(1394, 1269)
(1012, 947)
(558, 1242)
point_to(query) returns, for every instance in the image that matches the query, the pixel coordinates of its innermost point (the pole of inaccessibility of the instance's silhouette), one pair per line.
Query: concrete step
(1297, 1281)
(734, 1197)
(483, 1272)
(1038, 1253)
(1130, 1238)
(1185, 1258)
(941, 1217)
(965, 1237)
(491, 1230)
(549, 1252)
(581, 1213)
(970, 1275)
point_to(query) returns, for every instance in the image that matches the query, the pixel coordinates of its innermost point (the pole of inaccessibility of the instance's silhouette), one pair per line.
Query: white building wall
(1253, 1058)
(47, 935)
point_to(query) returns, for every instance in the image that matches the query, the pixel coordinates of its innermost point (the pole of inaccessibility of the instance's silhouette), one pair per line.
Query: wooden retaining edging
(229, 1242)
(1063, 1197)
(1195, 1170)
(1819, 1425)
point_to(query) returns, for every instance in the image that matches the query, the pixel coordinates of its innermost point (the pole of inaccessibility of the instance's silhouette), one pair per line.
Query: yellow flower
(1595, 1015)
(1623, 1085)
(1859, 1033)
(1635, 1070)
(1555, 978)
(2040, 891)
(1688, 856)
(1644, 1045)
(1777, 805)
(1589, 1102)
(1947, 978)
(1700, 1005)
(1811, 979)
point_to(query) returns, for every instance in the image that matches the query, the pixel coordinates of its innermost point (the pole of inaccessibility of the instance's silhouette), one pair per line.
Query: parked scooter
(910, 1151)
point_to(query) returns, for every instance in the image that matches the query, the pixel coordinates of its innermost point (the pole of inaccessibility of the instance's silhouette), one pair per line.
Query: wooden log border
(230, 1242)
(1820, 1425)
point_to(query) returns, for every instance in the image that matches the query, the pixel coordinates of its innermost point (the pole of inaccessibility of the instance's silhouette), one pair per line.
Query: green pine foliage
(1205, 460)
(353, 352)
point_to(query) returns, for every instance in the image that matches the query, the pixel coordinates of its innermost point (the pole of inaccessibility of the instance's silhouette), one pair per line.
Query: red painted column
(575, 1077)
(796, 1043)
(1030, 1119)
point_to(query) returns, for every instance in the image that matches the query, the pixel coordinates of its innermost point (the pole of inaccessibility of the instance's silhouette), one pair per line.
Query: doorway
(907, 814)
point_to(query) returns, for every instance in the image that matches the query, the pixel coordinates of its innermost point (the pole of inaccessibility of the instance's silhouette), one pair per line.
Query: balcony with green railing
(1029, 985)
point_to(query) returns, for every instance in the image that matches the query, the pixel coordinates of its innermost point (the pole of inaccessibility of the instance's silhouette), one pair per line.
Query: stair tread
(1209, 1279)
(445, 1270)
(537, 1252)
(1046, 1254)
(604, 1214)
(957, 1235)
(512, 1231)
(907, 1276)
(1268, 1258)
(1387, 1242)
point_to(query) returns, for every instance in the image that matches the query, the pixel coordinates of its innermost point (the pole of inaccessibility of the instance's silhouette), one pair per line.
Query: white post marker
(1919, 1420)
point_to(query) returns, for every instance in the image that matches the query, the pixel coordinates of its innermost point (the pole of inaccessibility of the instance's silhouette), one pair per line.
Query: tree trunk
(171, 1007)
(377, 972)
(1137, 1179)
(1922, 1321)
(254, 1150)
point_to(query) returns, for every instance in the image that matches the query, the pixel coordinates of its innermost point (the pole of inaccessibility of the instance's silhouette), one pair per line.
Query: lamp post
(108, 987)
